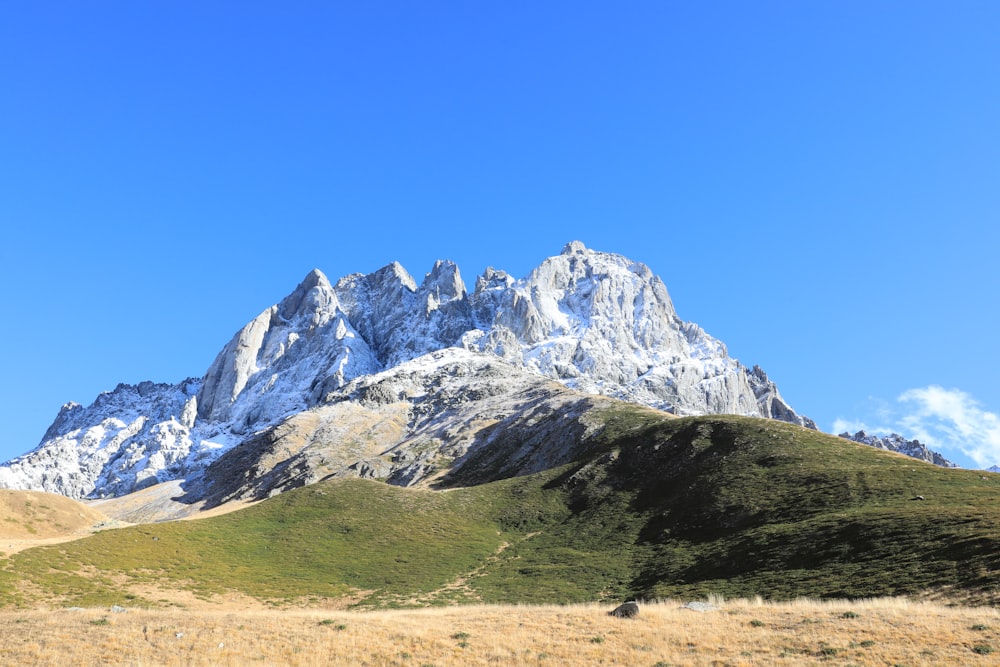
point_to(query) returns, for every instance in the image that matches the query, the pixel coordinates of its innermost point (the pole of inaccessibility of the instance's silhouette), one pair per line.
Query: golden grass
(33, 518)
(877, 632)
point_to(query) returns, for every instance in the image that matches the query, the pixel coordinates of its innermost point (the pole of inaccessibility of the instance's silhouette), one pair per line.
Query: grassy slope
(661, 507)
(320, 541)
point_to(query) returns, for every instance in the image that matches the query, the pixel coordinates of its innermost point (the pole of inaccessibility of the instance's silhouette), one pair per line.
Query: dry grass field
(877, 632)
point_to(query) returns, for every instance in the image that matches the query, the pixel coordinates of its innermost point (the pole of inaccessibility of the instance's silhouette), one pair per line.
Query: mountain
(897, 443)
(594, 322)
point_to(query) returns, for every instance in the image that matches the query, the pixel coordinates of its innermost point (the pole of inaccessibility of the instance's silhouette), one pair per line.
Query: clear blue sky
(818, 183)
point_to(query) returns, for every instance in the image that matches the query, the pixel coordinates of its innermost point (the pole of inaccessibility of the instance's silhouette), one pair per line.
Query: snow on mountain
(402, 320)
(602, 323)
(596, 322)
(897, 443)
(126, 439)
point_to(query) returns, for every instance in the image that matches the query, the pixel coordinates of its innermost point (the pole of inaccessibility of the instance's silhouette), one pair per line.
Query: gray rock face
(284, 360)
(402, 321)
(770, 400)
(595, 322)
(897, 443)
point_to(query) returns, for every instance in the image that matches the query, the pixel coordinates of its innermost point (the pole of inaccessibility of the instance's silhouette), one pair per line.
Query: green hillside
(657, 507)
(745, 507)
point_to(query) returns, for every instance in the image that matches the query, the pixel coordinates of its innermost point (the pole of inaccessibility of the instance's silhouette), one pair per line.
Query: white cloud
(949, 421)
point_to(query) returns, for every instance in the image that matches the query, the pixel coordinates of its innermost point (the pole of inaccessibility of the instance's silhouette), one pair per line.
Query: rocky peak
(375, 304)
(897, 443)
(444, 281)
(63, 421)
(314, 298)
(493, 280)
(615, 307)
(394, 273)
(487, 301)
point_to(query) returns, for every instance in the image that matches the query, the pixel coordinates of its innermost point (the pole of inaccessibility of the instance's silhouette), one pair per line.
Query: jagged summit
(314, 278)
(596, 322)
(314, 293)
(444, 281)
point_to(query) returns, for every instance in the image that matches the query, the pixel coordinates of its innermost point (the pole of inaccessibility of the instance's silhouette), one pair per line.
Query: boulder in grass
(625, 610)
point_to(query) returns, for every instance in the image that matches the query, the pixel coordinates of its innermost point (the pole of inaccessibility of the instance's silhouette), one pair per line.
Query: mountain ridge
(894, 442)
(595, 322)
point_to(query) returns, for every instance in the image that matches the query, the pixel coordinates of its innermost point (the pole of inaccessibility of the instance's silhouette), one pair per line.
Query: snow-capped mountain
(897, 443)
(596, 322)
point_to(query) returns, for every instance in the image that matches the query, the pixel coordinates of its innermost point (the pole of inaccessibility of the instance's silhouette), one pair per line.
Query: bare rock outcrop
(450, 417)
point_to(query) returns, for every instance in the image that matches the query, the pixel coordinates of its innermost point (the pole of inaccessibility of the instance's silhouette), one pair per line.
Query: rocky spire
(314, 296)
(306, 327)
(444, 281)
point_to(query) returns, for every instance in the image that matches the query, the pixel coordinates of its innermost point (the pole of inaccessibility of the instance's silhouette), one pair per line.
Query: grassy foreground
(876, 632)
